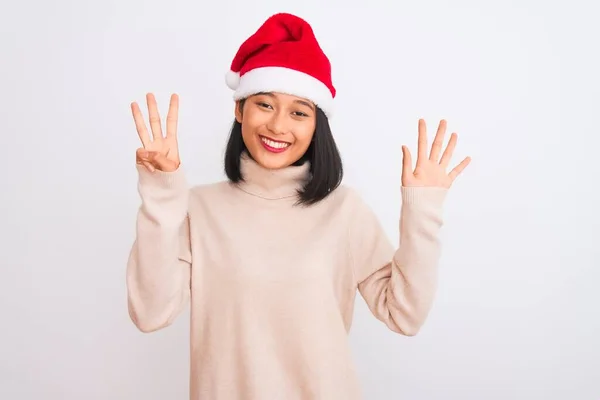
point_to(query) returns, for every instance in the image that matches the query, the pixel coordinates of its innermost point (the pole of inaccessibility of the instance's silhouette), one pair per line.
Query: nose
(278, 124)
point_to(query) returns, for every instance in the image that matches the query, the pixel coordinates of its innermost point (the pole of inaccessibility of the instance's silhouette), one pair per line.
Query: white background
(517, 314)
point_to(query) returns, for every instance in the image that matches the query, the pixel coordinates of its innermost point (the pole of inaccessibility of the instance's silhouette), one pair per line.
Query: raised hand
(159, 151)
(431, 171)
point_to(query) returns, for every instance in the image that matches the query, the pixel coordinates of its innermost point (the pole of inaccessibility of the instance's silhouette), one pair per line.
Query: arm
(158, 269)
(399, 285)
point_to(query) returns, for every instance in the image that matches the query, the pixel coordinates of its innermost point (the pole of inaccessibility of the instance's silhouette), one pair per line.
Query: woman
(271, 259)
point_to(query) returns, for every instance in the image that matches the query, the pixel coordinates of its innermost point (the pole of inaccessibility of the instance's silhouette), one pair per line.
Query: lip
(273, 149)
(274, 140)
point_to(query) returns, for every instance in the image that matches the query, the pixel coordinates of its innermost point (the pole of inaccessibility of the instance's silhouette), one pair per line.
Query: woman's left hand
(431, 171)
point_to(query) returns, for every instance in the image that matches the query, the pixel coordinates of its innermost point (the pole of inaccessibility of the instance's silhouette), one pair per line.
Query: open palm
(431, 171)
(159, 151)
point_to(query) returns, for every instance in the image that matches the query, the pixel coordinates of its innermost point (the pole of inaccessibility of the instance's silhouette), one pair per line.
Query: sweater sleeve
(159, 264)
(399, 284)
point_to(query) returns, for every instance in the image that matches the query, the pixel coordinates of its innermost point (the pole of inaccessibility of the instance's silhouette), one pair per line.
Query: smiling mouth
(274, 145)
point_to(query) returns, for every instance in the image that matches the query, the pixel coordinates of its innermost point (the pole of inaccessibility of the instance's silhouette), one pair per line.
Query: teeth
(277, 145)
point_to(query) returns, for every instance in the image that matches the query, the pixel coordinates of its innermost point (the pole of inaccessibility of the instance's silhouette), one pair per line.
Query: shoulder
(210, 192)
(349, 198)
(347, 203)
(209, 188)
(346, 192)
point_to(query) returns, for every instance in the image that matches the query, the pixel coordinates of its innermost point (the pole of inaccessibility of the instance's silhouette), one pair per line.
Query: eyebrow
(305, 103)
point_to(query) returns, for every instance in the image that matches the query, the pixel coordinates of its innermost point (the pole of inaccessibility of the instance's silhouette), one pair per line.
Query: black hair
(326, 169)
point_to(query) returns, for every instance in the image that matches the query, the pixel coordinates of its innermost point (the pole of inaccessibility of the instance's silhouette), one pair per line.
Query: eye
(300, 114)
(264, 105)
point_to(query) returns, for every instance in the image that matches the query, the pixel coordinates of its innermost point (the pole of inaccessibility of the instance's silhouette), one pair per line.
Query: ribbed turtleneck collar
(271, 184)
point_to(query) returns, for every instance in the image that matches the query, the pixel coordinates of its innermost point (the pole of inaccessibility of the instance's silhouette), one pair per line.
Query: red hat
(283, 56)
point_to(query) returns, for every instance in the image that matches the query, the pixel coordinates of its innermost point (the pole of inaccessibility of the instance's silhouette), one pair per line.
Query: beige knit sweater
(272, 285)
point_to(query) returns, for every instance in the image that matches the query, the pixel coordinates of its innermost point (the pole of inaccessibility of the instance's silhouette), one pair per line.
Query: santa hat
(283, 56)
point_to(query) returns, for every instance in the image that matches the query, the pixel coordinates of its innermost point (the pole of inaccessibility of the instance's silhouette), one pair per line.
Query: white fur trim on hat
(285, 80)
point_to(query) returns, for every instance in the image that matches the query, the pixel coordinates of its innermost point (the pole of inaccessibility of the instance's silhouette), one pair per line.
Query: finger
(140, 125)
(422, 142)
(406, 161)
(141, 154)
(459, 168)
(445, 160)
(141, 159)
(161, 162)
(436, 147)
(154, 117)
(148, 166)
(172, 116)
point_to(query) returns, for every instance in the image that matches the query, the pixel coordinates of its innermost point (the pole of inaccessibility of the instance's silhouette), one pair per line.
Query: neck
(271, 184)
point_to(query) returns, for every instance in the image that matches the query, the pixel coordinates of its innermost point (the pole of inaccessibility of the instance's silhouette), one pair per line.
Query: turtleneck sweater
(271, 285)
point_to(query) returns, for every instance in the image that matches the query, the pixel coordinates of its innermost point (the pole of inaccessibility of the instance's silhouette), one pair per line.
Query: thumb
(141, 157)
(406, 161)
(161, 162)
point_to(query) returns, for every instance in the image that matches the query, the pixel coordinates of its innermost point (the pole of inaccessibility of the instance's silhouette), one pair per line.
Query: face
(277, 128)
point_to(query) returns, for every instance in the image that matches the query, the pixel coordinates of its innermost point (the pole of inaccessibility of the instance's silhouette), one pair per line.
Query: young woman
(271, 259)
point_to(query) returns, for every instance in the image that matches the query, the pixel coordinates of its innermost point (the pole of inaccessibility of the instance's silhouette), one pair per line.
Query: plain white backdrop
(517, 315)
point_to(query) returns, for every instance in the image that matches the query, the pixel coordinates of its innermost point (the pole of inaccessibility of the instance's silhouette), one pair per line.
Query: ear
(238, 111)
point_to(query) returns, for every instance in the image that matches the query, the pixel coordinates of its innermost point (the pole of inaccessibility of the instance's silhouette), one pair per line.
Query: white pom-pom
(233, 79)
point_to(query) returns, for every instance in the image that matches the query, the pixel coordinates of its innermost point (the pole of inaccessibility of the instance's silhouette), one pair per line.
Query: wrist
(162, 179)
(416, 195)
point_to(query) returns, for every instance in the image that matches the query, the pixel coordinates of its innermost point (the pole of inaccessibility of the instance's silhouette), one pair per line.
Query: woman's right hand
(157, 152)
